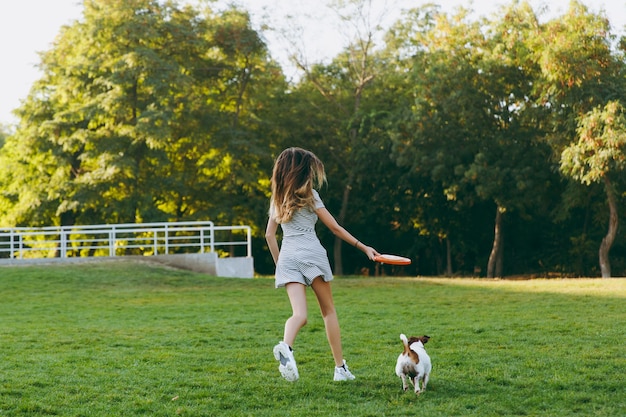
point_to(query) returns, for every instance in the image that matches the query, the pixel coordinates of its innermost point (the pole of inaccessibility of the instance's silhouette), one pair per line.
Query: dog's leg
(426, 377)
(412, 381)
(416, 384)
(404, 384)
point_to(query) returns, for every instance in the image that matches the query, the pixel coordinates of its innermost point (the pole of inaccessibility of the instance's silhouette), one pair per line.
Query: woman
(301, 260)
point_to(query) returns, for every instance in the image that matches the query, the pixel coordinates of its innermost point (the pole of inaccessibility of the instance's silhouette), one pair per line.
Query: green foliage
(4, 133)
(146, 112)
(133, 339)
(155, 111)
(601, 147)
(471, 132)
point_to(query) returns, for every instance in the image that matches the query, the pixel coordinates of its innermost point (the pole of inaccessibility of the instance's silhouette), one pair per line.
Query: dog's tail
(405, 341)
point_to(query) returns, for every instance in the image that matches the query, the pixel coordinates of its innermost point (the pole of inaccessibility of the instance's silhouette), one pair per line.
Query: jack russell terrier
(414, 363)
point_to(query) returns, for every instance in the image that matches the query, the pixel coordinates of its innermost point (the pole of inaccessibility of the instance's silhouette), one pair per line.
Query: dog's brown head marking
(424, 339)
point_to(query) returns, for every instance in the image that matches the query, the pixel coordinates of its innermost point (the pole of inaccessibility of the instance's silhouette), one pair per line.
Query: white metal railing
(122, 239)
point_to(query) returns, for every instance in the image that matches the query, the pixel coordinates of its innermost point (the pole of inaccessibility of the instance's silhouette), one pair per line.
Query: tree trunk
(500, 257)
(607, 242)
(337, 249)
(68, 218)
(448, 257)
(497, 243)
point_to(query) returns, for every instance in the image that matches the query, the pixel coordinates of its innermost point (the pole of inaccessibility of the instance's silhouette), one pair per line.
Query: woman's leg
(297, 297)
(331, 322)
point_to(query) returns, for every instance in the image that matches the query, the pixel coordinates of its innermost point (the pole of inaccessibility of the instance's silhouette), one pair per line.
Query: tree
(342, 86)
(582, 88)
(146, 112)
(467, 131)
(103, 111)
(511, 170)
(598, 156)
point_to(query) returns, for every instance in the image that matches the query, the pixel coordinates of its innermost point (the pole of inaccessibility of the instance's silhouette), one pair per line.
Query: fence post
(63, 243)
(112, 241)
(249, 237)
(167, 240)
(11, 256)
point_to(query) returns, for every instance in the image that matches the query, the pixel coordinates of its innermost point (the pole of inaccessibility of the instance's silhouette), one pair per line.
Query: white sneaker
(287, 366)
(342, 373)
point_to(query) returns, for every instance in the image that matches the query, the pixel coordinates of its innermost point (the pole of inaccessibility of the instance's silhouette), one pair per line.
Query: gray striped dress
(302, 258)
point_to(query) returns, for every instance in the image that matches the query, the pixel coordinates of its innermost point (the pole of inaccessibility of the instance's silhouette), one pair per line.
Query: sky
(28, 27)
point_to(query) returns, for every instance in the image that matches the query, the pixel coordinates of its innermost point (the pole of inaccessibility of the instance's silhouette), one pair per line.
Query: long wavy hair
(296, 172)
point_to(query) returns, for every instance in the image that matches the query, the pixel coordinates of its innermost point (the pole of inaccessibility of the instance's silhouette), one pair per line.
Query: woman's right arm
(270, 237)
(330, 222)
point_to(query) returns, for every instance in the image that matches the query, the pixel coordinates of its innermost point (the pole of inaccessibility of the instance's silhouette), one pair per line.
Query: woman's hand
(369, 251)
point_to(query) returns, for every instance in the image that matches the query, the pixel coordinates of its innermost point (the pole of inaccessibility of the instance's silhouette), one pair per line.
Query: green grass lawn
(130, 339)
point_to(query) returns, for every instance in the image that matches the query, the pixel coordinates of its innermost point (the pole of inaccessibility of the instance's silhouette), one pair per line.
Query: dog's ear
(413, 339)
(425, 339)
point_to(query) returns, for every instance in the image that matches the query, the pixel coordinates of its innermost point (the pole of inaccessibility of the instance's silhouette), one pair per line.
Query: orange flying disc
(392, 259)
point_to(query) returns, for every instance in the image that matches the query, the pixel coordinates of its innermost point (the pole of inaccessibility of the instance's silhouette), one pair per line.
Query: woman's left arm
(330, 222)
(270, 237)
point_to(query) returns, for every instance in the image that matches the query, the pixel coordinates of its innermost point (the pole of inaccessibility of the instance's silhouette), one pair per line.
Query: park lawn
(132, 339)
